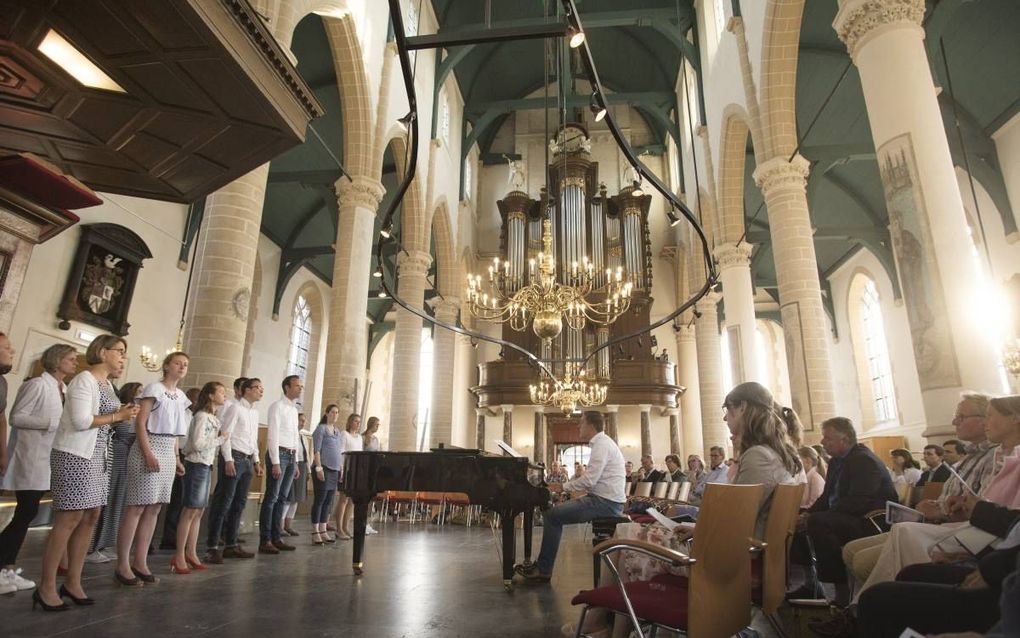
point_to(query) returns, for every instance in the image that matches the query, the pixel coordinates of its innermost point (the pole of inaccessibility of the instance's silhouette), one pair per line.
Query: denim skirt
(195, 486)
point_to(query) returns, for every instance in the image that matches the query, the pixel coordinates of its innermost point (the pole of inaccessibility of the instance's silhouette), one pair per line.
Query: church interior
(482, 222)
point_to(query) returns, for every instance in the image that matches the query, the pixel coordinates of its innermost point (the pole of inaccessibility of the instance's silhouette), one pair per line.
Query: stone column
(805, 324)
(539, 446)
(221, 288)
(674, 431)
(927, 223)
(412, 266)
(480, 428)
(709, 354)
(508, 424)
(612, 427)
(690, 401)
(347, 338)
(738, 299)
(444, 344)
(646, 428)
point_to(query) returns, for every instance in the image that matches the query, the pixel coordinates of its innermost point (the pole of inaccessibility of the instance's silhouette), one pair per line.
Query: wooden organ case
(612, 231)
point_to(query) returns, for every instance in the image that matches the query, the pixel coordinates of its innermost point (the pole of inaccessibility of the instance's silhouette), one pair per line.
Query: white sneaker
(97, 557)
(7, 585)
(13, 577)
(370, 530)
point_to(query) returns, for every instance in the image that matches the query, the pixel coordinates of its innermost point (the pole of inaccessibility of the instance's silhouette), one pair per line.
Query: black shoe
(842, 624)
(82, 602)
(38, 601)
(126, 582)
(148, 579)
(807, 591)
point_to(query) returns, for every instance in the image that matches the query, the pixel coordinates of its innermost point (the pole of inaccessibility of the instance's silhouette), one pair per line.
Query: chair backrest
(931, 491)
(630, 487)
(903, 493)
(644, 488)
(684, 492)
(674, 489)
(720, 580)
(779, 535)
(659, 491)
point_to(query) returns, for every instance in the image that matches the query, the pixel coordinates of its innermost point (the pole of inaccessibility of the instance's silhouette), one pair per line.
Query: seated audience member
(937, 471)
(695, 468)
(578, 470)
(861, 555)
(717, 473)
(954, 452)
(904, 470)
(676, 474)
(628, 469)
(814, 468)
(856, 483)
(822, 454)
(649, 473)
(603, 485)
(794, 428)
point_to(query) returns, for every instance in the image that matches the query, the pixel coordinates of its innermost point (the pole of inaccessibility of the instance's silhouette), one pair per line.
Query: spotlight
(697, 314)
(386, 231)
(576, 37)
(382, 294)
(637, 192)
(597, 109)
(671, 215)
(378, 273)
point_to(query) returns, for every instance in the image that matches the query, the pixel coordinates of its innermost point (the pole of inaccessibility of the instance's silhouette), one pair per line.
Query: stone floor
(419, 581)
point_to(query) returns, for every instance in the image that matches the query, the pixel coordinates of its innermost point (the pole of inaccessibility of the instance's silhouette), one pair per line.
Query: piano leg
(509, 518)
(360, 521)
(529, 525)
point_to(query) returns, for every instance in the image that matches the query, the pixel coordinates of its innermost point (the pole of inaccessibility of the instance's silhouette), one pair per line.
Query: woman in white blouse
(905, 470)
(350, 441)
(162, 417)
(79, 477)
(34, 420)
(204, 439)
(369, 441)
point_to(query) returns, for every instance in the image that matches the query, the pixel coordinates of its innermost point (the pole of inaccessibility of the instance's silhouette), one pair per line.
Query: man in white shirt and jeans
(282, 440)
(604, 483)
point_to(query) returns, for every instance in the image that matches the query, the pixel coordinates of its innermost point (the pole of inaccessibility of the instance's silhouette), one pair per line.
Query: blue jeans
(229, 499)
(579, 510)
(274, 501)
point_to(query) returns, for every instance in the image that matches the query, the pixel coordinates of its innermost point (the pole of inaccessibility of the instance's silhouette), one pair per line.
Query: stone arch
(732, 158)
(313, 375)
(414, 221)
(355, 100)
(447, 271)
(780, 50)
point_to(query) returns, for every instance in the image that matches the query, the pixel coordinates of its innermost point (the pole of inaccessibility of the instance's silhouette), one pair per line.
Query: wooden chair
(931, 491)
(660, 489)
(674, 489)
(643, 489)
(774, 561)
(684, 492)
(719, 584)
(903, 493)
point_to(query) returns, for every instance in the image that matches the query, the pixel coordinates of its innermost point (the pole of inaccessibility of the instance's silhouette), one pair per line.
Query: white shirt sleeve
(228, 419)
(79, 401)
(29, 410)
(596, 464)
(273, 433)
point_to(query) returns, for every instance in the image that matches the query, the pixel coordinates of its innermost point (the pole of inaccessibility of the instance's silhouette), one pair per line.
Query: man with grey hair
(716, 473)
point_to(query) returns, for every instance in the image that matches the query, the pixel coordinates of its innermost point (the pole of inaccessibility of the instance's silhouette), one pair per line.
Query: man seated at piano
(603, 483)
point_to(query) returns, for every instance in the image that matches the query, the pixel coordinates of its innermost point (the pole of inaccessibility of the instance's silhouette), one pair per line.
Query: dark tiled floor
(419, 581)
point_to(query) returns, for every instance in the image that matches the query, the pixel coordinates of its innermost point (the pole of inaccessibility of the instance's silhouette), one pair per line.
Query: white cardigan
(75, 435)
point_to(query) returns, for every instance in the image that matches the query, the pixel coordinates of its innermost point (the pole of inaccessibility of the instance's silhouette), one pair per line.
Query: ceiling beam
(311, 176)
(464, 36)
(639, 98)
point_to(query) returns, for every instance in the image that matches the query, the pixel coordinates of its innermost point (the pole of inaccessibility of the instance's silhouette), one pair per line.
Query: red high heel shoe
(195, 565)
(177, 569)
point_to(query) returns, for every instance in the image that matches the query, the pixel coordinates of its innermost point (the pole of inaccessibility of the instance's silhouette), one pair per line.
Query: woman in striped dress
(79, 465)
(123, 438)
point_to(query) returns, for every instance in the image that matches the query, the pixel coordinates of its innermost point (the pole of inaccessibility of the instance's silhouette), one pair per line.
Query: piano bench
(603, 529)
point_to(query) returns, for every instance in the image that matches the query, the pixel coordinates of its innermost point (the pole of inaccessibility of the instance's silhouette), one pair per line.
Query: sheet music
(668, 523)
(503, 445)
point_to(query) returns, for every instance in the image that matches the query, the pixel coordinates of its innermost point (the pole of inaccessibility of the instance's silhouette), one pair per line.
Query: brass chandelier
(543, 301)
(572, 391)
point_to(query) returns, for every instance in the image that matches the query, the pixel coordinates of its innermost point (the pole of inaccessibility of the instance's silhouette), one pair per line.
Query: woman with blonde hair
(814, 468)
(162, 418)
(350, 441)
(79, 479)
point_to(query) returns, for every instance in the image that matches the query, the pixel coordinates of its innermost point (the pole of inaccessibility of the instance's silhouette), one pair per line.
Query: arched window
(720, 17)
(444, 119)
(300, 338)
(467, 179)
(575, 454)
(878, 393)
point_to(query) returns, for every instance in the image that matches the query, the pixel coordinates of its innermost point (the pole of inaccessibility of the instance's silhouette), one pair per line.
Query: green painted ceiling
(844, 189)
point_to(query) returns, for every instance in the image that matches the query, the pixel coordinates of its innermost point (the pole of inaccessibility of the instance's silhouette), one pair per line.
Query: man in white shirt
(604, 483)
(238, 463)
(282, 440)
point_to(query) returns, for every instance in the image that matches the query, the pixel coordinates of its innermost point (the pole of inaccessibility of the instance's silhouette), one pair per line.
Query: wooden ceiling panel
(210, 95)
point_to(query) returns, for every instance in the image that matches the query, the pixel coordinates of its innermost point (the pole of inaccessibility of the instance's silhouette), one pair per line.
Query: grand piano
(506, 485)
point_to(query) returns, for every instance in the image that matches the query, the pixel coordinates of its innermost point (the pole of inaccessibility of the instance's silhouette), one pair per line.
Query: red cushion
(662, 600)
(643, 519)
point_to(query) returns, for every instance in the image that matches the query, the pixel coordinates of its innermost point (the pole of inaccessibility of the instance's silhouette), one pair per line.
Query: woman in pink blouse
(814, 467)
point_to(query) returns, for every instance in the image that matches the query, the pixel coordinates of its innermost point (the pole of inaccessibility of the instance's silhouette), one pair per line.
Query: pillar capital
(684, 333)
(778, 173)
(445, 308)
(859, 20)
(733, 255)
(363, 192)
(709, 302)
(413, 262)
(482, 412)
(507, 409)
(645, 407)
(612, 409)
